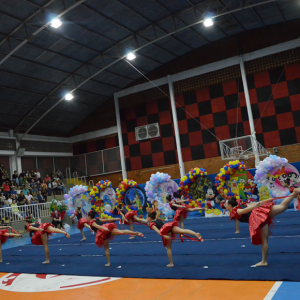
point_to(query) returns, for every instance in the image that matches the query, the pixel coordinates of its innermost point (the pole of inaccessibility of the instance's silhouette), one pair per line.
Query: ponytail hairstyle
(92, 214)
(176, 195)
(119, 206)
(152, 215)
(78, 208)
(28, 220)
(232, 201)
(169, 198)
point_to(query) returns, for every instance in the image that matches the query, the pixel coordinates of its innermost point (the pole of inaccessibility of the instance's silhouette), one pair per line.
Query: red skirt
(3, 238)
(81, 222)
(129, 216)
(180, 212)
(166, 229)
(36, 238)
(258, 219)
(103, 235)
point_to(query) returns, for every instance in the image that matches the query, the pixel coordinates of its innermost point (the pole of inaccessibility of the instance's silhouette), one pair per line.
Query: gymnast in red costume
(82, 222)
(129, 217)
(259, 215)
(168, 232)
(106, 232)
(181, 209)
(4, 235)
(41, 233)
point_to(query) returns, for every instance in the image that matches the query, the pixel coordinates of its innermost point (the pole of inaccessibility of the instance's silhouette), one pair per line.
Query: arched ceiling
(39, 64)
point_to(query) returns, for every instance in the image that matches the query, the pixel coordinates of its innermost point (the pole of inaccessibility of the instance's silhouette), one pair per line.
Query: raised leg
(13, 234)
(121, 232)
(280, 208)
(264, 246)
(131, 228)
(181, 222)
(56, 230)
(46, 248)
(169, 253)
(106, 249)
(177, 230)
(83, 236)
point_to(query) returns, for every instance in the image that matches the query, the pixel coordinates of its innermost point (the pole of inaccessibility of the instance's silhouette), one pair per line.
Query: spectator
(15, 210)
(24, 180)
(28, 177)
(44, 188)
(37, 174)
(31, 173)
(21, 199)
(38, 185)
(34, 190)
(11, 184)
(22, 175)
(55, 187)
(15, 178)
(32, 183)
(49, 188)
(13, 198)
(59, 174)
(27, 173)
(5, 211)
(34, 199)
(41, 197)
(56, 219)
(27, 186)
(1, 170)
(28, 198)
(25, 191)
(32, 221)
(62, 187)
(6, 187)
(9, 200)
(5, 176)
(2, 199)
(18, 190)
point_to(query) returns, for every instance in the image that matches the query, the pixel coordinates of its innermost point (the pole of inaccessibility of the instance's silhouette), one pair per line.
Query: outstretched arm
(35, 229)
(109, 220)
(88, 226)
(249, 208)
(99, 227)
(3, 227)
(180, 206)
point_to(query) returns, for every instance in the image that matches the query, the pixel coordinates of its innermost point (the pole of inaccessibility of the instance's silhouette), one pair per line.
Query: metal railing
(82, 179)
(19, 213)
(68, 174)
(75, 176)
(91, 185)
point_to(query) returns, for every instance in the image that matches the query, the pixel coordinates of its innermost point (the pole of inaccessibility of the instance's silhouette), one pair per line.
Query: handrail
(82, 179)
(18, 213)
(75, 175)
(68, 174)
(91, 186)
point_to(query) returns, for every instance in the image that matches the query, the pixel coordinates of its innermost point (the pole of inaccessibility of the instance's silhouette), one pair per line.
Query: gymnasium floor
(24, 273)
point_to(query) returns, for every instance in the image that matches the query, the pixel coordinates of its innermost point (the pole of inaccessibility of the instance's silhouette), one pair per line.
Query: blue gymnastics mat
(223, 254)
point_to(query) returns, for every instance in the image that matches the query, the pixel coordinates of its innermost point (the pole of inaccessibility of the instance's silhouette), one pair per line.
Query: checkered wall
(222, 110)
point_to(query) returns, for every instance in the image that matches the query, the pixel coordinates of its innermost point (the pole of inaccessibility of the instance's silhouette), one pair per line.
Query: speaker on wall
(21, 151)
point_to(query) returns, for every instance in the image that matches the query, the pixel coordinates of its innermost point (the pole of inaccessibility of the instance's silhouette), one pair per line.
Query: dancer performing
(82, 222)
(4, 235)
(106, 232)
(168, 232)
(129, 217)
(181, 211)
(259, 216)
(41, 233)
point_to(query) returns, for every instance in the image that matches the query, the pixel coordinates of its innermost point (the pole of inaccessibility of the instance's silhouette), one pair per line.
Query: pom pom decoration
(154, 197)
(224, 175)
(189, 178)
(123, 188)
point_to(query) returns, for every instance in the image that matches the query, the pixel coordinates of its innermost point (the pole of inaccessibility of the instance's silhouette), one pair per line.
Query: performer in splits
(168, 232)
(4, 235)
(129, 217)
(82, 222)
(181, 210)
(106, 232)
(41, 233)
(259, 216)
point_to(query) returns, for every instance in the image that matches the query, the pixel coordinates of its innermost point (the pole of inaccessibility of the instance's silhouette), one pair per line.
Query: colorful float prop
(157, 189)
(274, 175)
(78, 196)
(103, 199)
(123, 188)
(57, 205)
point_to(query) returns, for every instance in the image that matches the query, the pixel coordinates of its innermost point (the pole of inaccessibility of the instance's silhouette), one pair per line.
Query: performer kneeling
(106, 232)
(181, 211)
(259, 216)
(129, 217)
(4, 235)
(41, 233)
(168, 232)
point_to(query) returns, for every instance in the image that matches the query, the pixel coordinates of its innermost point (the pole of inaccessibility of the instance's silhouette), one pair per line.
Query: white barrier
(19, 213)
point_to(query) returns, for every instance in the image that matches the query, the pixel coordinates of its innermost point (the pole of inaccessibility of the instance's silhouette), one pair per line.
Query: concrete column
(175, 122)
(123, 165)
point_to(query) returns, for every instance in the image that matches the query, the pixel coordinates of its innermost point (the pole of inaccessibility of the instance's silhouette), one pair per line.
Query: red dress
(81, 221)
(257, 219)
(3, 238)
(129, 216)
(102, 235)
(179, 211)
(164, 229)
(36, 238)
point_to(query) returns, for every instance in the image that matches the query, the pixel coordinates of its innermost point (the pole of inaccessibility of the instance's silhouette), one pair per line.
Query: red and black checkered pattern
(222, 110)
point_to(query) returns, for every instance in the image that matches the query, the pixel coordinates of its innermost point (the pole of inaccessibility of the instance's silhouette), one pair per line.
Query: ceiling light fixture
(69, 97)
(55, 23)
(130, 56)
(208, 22)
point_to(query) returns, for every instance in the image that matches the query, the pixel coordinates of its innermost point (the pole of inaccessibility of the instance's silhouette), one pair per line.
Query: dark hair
(232, 201)
(28, 219)
(169, 198)
(120, 206)
(92, 214)
(152, 215)
(78, 207)
(176, 195)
